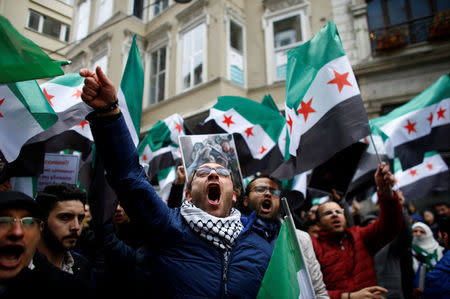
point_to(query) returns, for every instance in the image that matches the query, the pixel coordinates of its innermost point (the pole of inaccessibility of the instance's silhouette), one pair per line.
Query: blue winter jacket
(437, 281)
(180, 262)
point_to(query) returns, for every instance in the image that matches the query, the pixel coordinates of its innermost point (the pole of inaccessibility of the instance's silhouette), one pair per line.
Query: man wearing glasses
(262, 195)
(20, 229)
(346, 254)
(204, 249)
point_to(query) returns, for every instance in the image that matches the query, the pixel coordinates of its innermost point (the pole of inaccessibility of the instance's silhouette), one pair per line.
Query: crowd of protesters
(207, 242)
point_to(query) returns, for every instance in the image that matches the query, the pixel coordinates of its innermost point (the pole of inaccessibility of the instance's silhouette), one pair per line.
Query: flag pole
(290, 222)
(375, 148)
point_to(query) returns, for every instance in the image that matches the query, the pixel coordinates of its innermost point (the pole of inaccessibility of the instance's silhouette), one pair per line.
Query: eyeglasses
(330, 212)
(27, 222)
(262, 190)
(204, 171)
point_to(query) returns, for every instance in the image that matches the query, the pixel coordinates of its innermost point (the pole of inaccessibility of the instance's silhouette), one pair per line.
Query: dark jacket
(437, 281)
(45, 281)
(181, 263)
(348, 265)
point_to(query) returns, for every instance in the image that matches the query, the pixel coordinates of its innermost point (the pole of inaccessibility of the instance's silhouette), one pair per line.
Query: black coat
(45, 281)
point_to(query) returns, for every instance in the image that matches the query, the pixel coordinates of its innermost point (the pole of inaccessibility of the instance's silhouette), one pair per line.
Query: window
(193, 51)
(284, 30)
(395, 23)
(138, 8)
(82, 24)
(157, 75)
(236, 53)
(101, 62)
(287, 34)
(104, 11)
(160, 6)
(48, 26)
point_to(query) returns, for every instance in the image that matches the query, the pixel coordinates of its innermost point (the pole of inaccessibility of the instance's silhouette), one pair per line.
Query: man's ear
(187, 195)
(245, 201)
(445, 239)
(234, 197)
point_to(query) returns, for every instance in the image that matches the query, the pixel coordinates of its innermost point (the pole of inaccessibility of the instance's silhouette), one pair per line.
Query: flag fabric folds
(419, 126)
(418, 181)
(258, 131)
(160, 149)
(131, 91)
(21, 59)
(286, 275)
(24, 113)
(324, 109)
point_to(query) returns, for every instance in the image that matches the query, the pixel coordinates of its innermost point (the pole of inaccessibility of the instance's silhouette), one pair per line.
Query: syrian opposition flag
(258, 130)
(324, 109)
(416, 182)
(166, 177)
(287, 275)
(21, 59)
(421, 125)
(64, 96)
(159, 148)
(24, 113)
(131, 91)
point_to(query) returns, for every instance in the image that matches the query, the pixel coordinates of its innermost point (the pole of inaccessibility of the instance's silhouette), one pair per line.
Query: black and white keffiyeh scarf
(221, 232)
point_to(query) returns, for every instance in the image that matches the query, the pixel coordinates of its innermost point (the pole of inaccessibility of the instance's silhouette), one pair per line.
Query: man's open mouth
(213, 191)
(266, 206)
(10, 256)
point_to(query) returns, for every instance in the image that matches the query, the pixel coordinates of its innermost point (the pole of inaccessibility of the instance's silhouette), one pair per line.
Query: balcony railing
(428, 28)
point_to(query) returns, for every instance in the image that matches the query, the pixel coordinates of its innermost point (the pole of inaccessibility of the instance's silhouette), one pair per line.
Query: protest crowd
(210, 233)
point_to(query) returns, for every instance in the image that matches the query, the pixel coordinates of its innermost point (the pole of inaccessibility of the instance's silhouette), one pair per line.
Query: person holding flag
(346, 254)
(202, 249)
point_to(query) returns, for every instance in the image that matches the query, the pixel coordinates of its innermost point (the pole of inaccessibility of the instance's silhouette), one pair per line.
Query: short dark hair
(262, 176)
(444, 224)
(442, 203)
(54, 193)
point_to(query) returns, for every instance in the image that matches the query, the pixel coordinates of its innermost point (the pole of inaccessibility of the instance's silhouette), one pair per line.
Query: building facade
(47, 23)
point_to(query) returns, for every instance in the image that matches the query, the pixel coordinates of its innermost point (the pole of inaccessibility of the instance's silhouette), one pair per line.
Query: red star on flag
(289, 123)
(49, 97)
(82, 124)
(340, 80)
(411, 127)
(228, 120)
(430, 118)
(413, 172)
(440, 113)
(249, 132)
(144, 157)
(366, 141)
(1, 102)
(178, 127)
(430, 166)
(306, 109)
(263, 149)
(77, 94)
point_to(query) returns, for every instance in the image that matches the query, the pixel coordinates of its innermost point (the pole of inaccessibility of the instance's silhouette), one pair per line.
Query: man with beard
(204, 249)
(263, 196)
(62, 206)
(346, 253)
(20, 232)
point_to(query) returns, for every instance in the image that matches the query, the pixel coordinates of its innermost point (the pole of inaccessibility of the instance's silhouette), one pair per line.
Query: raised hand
(98, 90)
(384, 178)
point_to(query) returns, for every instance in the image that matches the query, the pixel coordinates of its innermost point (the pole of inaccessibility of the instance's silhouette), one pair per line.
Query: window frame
(182, 34)
(157, 75)
(230, 49)
(64, 31)
(268, 25)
